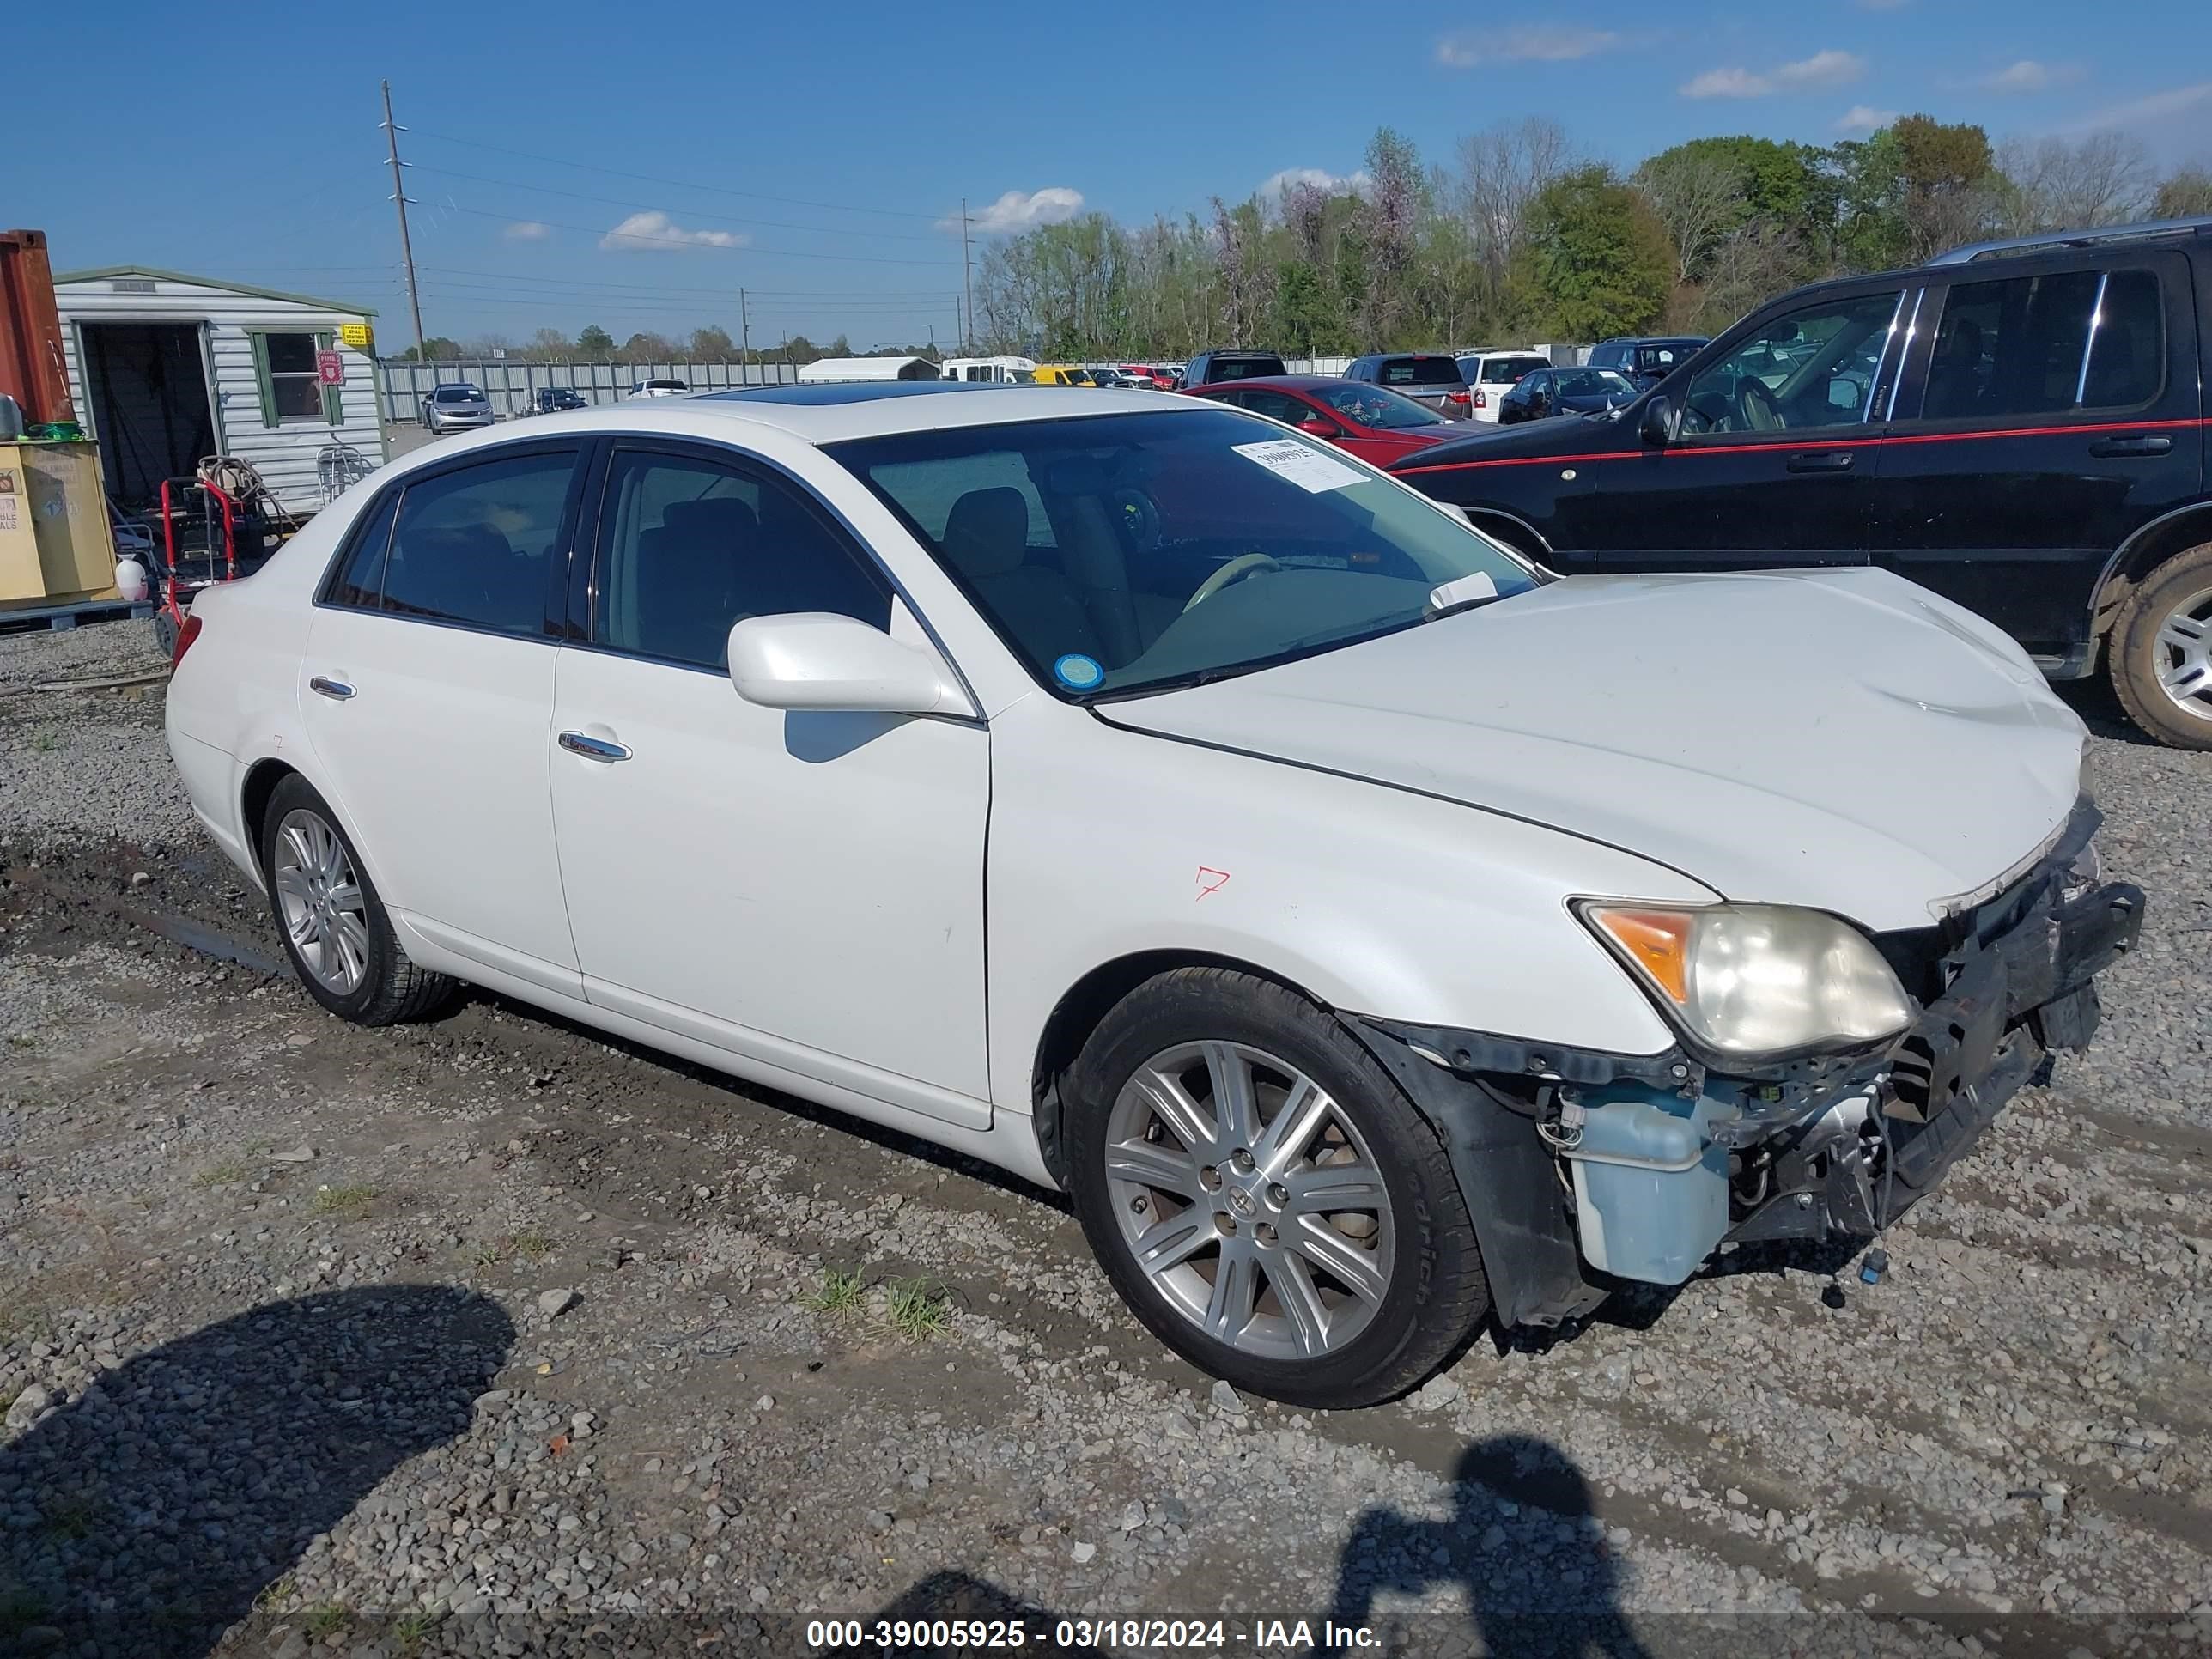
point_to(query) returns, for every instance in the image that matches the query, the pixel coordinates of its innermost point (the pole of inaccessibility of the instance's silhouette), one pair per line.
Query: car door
(804, 889)
(428, 693)
(2044, 418)
(1770, 467)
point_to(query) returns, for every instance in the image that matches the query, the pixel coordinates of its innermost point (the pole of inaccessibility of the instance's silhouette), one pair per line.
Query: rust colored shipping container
(31, 364)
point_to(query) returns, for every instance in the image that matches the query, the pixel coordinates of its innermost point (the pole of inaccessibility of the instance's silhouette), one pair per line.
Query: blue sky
(811, 153)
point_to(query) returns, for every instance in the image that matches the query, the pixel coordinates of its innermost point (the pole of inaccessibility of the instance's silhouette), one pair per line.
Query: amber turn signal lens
(1657, 941)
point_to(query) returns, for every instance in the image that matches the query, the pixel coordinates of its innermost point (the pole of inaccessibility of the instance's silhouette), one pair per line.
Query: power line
(399, 196)
(680, 184)
(695, 213)
(665, 287)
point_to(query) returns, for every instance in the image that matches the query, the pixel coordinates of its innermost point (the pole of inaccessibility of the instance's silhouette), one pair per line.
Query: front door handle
(597, 749)
(336, 690)
(1822, 460)
(2140, 444)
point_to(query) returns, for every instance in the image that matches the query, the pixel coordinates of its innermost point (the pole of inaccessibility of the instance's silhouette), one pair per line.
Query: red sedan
(1375, 423)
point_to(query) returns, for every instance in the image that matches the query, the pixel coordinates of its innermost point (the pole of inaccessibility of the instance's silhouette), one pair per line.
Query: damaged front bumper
(1579, 1167)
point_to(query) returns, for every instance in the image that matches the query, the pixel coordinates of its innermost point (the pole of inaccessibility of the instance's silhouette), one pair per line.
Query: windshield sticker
(1309, 469)
(1077, 673)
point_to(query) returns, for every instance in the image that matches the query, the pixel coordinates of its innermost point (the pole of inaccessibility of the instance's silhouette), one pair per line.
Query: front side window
(295, 390)
(2043, 345)
(1378, 407)
(692, 546)
(1806, 369)
(476, 545)
(1160, 548)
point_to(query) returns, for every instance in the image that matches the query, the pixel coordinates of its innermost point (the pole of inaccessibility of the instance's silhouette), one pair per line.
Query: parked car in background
(1430, 379)
(1001, 370)
(1463, 979)
(1371, 421)
(664, 387)
(1062, 375)
(552, 399)
(1543, 392)
(2024, 434)
(1490, 374)
(1645, 361)
(456, 407)
(1211, 367)
(1159, 379)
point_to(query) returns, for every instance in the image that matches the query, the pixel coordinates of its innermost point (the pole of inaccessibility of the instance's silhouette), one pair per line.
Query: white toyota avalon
(1370, 932)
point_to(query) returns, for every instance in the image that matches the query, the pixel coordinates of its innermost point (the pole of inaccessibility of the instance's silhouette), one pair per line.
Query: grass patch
(46, 742)
(347, 1203)
(21, 1040)
(20, 1609)
(274, 1595)
(72, 1515)
(531, 1247)
(327, 1619)
(409, 1629)
(919, 1309)
(223, 1174)
(841, 1294)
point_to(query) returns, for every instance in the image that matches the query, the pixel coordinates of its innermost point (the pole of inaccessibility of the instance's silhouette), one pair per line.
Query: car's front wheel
(1264, 1196)
(2162, 652)
(336, 930)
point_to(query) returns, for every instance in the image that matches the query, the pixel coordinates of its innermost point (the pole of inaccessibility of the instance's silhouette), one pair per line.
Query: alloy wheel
(325, 912)
(2182, 655)
(1249, 1200)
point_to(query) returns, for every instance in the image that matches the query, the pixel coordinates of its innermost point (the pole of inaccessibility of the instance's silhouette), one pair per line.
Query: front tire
(335, 927)
(2162, 652)
(1264, 1197)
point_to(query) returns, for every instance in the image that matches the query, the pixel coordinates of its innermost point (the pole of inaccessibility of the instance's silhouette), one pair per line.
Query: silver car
(451, 407)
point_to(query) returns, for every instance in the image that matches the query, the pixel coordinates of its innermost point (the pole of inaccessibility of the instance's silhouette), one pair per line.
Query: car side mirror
(817, 659)
(1660, 422)
(1318, 427)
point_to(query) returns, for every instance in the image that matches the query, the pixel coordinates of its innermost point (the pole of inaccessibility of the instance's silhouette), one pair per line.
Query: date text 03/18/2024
(1261, 1636)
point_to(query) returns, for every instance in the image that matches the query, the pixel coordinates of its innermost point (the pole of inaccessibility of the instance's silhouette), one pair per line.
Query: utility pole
(967, 270)
(407, 248)
(744, 332)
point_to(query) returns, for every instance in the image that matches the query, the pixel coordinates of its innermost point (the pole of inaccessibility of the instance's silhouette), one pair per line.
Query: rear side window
(475, 545)
(1421, 371)
(1504, 371)
(359, 579)
(2043, 345)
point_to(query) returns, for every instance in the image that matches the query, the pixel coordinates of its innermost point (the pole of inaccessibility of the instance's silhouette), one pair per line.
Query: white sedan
(1368, 932)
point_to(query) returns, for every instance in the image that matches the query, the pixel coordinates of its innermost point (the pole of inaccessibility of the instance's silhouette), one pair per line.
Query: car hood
(1840, 739)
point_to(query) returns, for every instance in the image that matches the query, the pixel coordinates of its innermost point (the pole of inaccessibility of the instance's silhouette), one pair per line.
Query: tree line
(593, 344)
(1519, 237)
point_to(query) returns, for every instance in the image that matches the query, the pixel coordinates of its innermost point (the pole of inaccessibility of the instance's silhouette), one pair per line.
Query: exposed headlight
(2085, 783)
(1757, 979)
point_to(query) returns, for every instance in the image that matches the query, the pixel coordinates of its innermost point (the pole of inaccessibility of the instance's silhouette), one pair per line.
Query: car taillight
(1481, 402)
(185, 636)
(1456, 396)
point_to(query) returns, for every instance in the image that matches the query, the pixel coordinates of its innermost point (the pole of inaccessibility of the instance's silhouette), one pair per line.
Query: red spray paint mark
(1210, 881)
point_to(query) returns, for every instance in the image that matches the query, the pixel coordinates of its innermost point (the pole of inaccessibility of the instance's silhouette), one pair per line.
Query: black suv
(1428, 377)
(1213, 367)
(2020, 426)
(1646, 361)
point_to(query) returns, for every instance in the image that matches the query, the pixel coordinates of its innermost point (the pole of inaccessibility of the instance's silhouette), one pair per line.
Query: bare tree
(1305, 213)
(2184, 194)
(2054, 185)
(1501, 170)
(1698, 198)
(1248, 280)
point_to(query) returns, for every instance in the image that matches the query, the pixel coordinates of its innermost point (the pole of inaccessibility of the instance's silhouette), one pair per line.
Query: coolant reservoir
(1650, 1184)
(131, 579)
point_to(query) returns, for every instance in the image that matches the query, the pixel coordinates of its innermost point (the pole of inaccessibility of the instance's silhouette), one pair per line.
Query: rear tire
(165, 633)
(2158, 652)
(1306, 1237)
(336, 930)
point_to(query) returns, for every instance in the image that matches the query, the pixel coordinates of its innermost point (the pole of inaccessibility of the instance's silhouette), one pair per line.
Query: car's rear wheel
(2162, 652)
(1264, 1197)
(336, 930)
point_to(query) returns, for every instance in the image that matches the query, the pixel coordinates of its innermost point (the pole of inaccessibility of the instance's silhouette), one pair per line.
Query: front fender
(1106, 843)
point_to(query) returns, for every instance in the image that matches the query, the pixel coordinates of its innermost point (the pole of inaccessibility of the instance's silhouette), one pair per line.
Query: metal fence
(401, 385)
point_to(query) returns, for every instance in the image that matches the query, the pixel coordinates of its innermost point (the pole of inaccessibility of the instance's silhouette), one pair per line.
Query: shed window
(294, 390)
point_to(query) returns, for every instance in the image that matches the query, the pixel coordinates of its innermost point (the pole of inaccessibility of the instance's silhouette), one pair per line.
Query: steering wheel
(1138, 517)
(1756, 405)
(1243, 565)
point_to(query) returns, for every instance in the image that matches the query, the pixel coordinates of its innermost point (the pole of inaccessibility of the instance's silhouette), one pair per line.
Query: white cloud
(528, 230)
(1860, 119)
(1336, 184)
(1527, 44)
(1019, 210)
(2029, 75)
(1831, 68)
(644, 232)
(2152, 110)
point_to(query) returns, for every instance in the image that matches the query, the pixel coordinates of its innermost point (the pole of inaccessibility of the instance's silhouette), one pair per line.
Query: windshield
(1420, 371)
(1123, 553)
(1378, 407)
(1504, 371)
(1592, 383)
(457, 394)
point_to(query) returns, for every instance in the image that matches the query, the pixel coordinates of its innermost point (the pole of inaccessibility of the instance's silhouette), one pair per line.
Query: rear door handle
(1822, 460)
(2140, 444)
(336, 690)
(598, 748)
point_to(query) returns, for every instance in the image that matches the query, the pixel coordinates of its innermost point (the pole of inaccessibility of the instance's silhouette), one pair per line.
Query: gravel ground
(487, 1336)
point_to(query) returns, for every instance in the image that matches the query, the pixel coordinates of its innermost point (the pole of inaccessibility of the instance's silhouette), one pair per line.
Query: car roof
(1280, 383)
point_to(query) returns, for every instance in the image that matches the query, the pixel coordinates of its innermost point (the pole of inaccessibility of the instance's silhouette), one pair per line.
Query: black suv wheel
(2162, 652)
